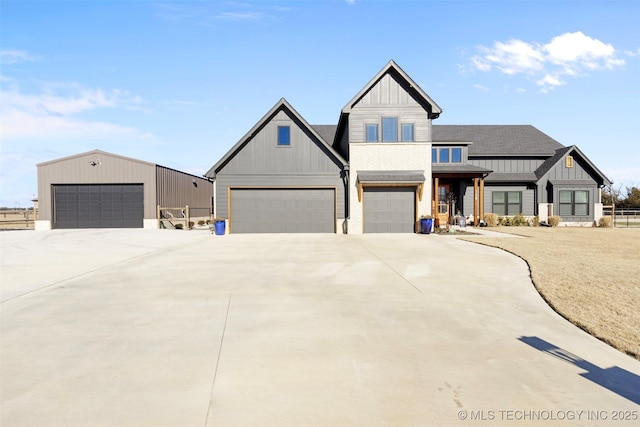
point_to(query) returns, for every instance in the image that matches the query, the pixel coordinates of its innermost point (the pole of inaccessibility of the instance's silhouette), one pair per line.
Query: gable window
(506, 202)
(372, 132)
(284, 135)
(568, 162)
(407, 132)
(389, 129)
(444, 155)
(574, 202)
(456, 155)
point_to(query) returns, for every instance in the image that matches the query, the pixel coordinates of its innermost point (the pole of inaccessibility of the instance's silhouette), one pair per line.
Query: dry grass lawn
(591, 276)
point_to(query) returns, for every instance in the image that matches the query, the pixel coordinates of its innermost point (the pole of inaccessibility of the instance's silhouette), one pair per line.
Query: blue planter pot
(219, 228)
(426, 225)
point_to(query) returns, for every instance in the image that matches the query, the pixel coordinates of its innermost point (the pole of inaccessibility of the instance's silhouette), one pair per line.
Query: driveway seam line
(391, 268)
(78, 275)
(215, 372)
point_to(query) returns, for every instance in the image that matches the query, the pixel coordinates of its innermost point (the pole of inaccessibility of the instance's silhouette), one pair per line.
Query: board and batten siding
(261, 162)
(110, 170)
(508, 165)
(262, 155)
(388, 98)
(528, 198)
(179, 189)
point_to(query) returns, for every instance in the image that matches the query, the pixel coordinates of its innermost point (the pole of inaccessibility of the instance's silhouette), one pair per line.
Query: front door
(443, 204)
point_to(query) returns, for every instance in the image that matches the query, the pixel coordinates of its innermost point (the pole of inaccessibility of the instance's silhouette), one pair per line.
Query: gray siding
(528, 198)
(111, 170)
(388, 99)
(262, 155)
(559, 177)
(177, 189)
(261, 162)
(508, 165)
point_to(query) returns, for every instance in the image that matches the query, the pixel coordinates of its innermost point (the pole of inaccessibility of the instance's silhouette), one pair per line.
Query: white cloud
(569, 54)
(481, 88)
(12, 56)
(56, 110)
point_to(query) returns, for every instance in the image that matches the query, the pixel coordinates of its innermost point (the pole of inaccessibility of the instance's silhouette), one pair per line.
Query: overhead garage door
(291, 210)
(98, 206)
(389, 210)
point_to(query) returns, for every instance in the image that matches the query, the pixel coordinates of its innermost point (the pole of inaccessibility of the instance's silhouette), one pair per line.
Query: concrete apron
(177, 328)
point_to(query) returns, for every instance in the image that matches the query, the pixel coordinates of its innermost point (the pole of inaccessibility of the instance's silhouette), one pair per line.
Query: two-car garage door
(282, 210)
(98, 206)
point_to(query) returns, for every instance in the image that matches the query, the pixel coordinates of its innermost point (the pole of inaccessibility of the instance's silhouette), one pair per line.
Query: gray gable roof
(499, 140)
(280, 105)
(413, 88)
(327, 132)
(574, 151)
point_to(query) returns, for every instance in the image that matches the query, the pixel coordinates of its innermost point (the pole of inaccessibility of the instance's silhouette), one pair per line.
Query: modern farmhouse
(382, 166)
(385, 164)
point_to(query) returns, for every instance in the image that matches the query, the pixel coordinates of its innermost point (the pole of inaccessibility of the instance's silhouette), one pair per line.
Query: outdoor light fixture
(95, 162)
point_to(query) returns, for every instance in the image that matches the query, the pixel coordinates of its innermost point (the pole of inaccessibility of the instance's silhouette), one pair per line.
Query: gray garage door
(389, 210)
(302, 210)
(98, 206)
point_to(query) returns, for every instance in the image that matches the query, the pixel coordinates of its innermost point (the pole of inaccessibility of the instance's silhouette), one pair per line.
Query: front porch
(451, 196)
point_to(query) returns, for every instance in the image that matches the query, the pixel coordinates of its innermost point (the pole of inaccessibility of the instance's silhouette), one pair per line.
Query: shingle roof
(327, 132)
(487, 140)
(391, 176)
(499, 140)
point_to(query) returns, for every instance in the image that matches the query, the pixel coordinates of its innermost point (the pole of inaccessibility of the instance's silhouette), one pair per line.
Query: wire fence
(623, 218)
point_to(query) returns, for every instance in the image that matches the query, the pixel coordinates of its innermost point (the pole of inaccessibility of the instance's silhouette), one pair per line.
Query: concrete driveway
(177, 328)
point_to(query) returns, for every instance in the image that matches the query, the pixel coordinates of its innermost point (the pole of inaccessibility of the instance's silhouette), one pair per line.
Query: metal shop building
(97, 189)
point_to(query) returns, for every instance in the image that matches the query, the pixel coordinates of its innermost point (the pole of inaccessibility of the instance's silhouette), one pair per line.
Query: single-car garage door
(389, 209)
(279, 210)
(98, 206)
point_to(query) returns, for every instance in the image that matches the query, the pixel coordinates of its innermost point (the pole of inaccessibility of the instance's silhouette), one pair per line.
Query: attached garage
(389, 209)
(98, 206)
(282, 210)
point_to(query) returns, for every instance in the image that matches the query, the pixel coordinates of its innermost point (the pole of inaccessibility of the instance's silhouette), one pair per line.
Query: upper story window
(407, 132)
(284, 135)
(389, 129)
(456, 155)
(446, 155)
(372, 132)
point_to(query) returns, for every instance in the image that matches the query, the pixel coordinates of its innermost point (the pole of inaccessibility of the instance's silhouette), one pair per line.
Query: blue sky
(179, 83)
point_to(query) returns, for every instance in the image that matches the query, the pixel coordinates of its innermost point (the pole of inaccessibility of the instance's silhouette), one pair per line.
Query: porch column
(434, 199)
(476, 220)
(481, 200)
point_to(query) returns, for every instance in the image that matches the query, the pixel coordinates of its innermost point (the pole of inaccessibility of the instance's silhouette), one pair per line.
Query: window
(434, 155)
(407, 132)
(284, 135)
(507, 202)
(389, 129)
(444, 155)
(372, 132)
(456, 155)
(568, 162)
(574, 203)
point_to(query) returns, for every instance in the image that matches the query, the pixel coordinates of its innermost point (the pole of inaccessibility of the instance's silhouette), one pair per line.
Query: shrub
(191, 224)
(554, 220)
(491, 219)
(201, 222)
(178, 226)
(208, 221)
(519, 220)
(535, 221)
(605, 221)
